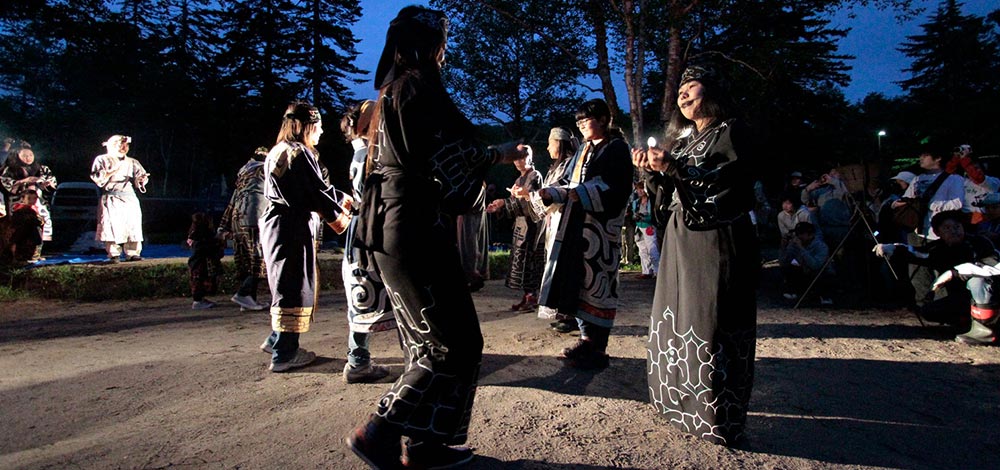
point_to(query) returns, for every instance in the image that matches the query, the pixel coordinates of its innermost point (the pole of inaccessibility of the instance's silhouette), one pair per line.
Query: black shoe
(593, 360)
(563, 327)
(476, 284)
(577, 350)
(114, 260)
(584, 355)
(134, 258)
(379, 450)
(428, 456)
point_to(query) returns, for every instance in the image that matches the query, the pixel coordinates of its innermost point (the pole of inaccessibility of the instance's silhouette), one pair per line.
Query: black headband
(310, 115)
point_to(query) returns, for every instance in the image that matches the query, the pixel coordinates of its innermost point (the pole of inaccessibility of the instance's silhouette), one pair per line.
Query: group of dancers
(417, 166)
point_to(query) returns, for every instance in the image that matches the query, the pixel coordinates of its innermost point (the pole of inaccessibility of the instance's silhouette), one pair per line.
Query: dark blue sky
(873, 40)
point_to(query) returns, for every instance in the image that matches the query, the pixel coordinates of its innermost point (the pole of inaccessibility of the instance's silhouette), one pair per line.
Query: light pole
(881, 134)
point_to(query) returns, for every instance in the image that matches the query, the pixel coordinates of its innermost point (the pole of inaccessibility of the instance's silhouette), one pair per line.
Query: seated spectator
(792, 213)
(953, 248)
(979, 280)
(801, 262)
(828, 194)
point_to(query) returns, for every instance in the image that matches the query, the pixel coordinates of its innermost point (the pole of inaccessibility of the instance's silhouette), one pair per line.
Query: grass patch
(161, 278)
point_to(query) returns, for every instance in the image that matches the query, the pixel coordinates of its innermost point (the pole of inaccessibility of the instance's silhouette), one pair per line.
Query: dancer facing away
(368, 308)
(527, 259)
(288, 229)
(119, 217)
(428, 169)
(703, 331)
(584, 251)
(239, 222)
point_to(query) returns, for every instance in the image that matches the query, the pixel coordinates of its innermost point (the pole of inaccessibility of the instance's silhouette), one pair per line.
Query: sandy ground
(156, 385)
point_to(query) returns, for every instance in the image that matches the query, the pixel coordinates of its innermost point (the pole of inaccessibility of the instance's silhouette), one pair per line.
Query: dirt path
(157, 385)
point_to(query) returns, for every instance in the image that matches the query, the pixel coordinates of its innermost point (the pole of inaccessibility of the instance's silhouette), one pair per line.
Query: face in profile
(313, 137)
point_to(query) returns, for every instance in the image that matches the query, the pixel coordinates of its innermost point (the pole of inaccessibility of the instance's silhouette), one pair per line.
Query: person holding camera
(932, 192)
(703, 329)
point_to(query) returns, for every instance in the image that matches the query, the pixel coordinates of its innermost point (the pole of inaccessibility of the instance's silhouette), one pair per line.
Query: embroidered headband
(701, 73)
(558, 133)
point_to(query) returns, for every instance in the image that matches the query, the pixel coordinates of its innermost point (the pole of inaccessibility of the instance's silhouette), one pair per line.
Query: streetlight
(881, 134)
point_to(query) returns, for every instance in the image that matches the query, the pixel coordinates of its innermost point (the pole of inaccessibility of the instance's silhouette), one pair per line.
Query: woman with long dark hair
(298, 196)
(704, 320)
(426, 169)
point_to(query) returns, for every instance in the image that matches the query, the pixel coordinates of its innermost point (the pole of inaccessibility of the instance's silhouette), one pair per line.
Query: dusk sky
(873, 40)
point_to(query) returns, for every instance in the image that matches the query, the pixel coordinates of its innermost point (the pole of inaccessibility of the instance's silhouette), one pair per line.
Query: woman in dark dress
(299, 195)
(702, 335)
(427, 169)
(527, 257)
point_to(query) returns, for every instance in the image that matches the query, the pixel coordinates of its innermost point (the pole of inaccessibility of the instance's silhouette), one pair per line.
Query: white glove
(884, 250)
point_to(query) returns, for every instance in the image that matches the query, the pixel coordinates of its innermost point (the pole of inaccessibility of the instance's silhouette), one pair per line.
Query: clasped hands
(653, 159)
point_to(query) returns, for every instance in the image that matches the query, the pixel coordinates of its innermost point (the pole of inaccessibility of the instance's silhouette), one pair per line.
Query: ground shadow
(482, 462)
(625, 378)
(876, 413)
(878, 332)
(35, 329)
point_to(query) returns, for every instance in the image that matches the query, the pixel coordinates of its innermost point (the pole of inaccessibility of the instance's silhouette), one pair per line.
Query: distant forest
(199, 84)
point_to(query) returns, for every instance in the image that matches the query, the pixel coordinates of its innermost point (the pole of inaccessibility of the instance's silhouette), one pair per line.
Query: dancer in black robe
(702, 333)
(428, 169)
(298, 196)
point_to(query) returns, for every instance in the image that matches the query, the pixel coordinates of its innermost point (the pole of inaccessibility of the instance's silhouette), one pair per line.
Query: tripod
(858, 216)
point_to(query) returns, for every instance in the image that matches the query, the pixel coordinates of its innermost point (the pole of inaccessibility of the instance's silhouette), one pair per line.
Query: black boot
(377, 444)
(431, 456)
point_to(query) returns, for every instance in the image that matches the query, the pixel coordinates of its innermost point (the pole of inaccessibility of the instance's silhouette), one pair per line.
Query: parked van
(75, 203)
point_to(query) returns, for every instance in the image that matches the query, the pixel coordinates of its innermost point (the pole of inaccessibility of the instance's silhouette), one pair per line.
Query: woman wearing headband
(704, 320)
(527, 259)
(298, 196)
(427, 169)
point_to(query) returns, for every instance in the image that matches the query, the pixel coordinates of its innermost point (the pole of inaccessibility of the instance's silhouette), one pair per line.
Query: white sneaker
(302, 358)
(246, 302)
(202, 304)
(790, 296)
(825, 301)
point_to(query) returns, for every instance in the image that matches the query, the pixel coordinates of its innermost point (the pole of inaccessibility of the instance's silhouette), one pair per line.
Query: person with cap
(562, 146)
(527, 258)
(703, 329)
(119, 216)
(903, 179)
(368, 309)
(427, 167)
(981, 190)
(239, 222)
(298, 196)
(954, 246)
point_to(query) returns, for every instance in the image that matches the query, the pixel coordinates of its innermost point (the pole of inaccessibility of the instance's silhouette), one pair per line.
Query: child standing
(205, 263)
